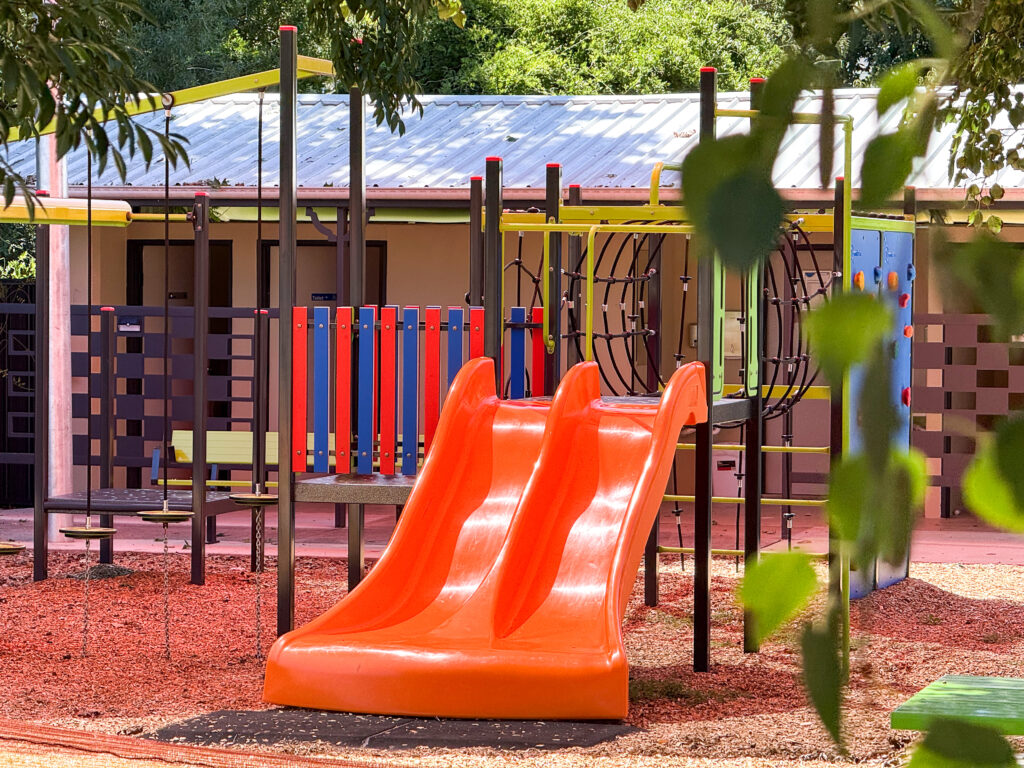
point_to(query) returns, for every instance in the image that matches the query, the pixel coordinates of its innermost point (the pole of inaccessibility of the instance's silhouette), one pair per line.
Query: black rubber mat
(276, 726)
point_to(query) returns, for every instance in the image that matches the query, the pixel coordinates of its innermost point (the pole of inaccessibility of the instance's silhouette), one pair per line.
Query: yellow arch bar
(55, 210)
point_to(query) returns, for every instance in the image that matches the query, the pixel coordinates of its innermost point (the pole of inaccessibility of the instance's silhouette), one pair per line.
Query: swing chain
(259, 581)
(85, 605)
(167, 600)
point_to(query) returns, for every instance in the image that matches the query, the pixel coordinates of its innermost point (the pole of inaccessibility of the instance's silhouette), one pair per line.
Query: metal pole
(41, 382)
(703, 458)
(356, 190)
(494, 304)
(651, 560)
(475, 296)
(576, 299)
(200, 333)
(286, 300)
(752, 481)
(552, 202)
(838, 567)
(108, 351)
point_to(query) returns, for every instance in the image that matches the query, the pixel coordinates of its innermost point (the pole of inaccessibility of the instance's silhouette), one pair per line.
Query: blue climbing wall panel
(897, 292)
(882, 264)
(865, 272)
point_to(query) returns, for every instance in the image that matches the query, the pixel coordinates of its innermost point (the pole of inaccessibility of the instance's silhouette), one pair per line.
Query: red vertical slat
(343, 392)
(377, 378)
(388, 320)
(300, 391)
(431, 375)
(537, 366)
(476, 332)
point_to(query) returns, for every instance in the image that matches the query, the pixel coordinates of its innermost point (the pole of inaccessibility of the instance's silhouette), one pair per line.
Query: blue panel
(865, 260)
(517, 355)
(898, 267)
(321, 387)
(865, 268)
(454, 342)
(364, 417)
(410, 393)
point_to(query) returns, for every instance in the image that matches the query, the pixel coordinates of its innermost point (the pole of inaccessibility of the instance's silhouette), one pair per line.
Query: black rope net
(798, 275)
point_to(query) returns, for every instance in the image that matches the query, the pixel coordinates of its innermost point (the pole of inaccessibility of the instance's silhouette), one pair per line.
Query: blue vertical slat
(454, 343)
(410, 394)
(367, 357)
(321, 387)
(517, 355)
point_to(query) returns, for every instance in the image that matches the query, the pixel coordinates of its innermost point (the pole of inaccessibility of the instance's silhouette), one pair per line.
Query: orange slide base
(502, 592)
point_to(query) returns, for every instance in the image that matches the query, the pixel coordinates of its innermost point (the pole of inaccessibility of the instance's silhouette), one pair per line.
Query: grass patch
(654, 616)
(931, 620)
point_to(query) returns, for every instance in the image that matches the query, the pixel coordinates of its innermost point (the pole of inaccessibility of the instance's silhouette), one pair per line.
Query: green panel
(718, 340)
(881, 225)
(752, 364)
(996, 702)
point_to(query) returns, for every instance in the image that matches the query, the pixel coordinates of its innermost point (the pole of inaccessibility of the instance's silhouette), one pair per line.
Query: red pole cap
(840, 178)
(288, 28)
(42, 193)
(757, 79)
(574, 186)
(493, 159)
(708, 69)
(554, 165)
(476, 178)
(106, 309)
(202, 194)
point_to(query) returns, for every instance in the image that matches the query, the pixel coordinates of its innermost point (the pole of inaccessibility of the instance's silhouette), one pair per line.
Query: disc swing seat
(11, 548)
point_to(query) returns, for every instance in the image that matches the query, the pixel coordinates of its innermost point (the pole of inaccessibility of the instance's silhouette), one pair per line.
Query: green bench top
(997, 702)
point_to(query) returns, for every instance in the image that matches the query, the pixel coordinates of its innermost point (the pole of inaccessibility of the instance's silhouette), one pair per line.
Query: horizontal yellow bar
(184, 483)
(58, 210)
(667, 229)
(816, 392)
(145, 103)
(823, 449)
(595, 214)
(765, 500)
(803, 118)
(159, 217)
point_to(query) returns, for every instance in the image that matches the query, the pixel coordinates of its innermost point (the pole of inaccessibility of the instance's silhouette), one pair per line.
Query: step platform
(996, 702)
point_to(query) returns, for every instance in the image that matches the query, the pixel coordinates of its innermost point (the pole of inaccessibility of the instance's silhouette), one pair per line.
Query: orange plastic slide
(502, 592)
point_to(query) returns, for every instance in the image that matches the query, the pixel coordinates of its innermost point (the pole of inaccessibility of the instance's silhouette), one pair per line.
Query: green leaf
(823, 675)
(770, 607)
(844, 331)
(997, 192)
(849, 483)
(957, 744)
(988, 272)
(706, 165)
(744, 219)
(987, 492)
(897, 85)
(888, 161)
(902, 497)
(994, 224)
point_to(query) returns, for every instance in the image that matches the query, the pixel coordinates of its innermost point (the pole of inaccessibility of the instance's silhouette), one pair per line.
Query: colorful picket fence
(388, 371)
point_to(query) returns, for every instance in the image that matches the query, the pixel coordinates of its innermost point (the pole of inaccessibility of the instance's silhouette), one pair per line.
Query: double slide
(502, 591)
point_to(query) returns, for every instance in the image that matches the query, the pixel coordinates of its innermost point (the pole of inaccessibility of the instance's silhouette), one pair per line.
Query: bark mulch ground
(749, 710)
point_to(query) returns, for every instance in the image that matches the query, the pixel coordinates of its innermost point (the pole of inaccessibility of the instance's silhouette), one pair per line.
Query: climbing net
(798, 275)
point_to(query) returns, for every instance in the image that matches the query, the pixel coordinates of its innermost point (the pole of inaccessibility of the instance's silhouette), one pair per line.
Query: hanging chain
(85, 604)
(167, 601)
(259, 582)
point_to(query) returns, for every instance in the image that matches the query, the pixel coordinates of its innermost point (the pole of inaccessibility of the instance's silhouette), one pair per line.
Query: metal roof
(606, 142)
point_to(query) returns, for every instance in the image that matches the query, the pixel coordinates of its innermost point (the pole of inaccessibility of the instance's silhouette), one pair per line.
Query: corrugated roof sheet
(601, 141)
